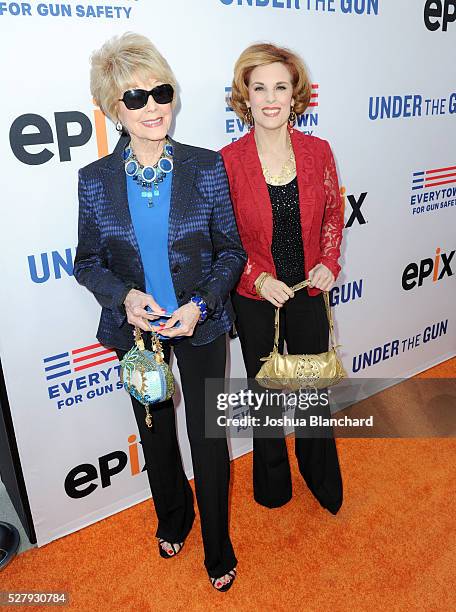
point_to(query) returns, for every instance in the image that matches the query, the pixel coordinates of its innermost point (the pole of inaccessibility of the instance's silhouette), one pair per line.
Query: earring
(119, 126)
(248, 119)
(292, 119)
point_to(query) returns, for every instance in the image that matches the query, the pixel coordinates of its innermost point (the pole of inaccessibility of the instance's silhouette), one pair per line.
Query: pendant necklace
(287, 172)
(149, 177)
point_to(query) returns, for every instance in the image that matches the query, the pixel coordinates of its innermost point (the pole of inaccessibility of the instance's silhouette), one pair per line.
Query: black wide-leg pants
(171, 491)
(304, 327)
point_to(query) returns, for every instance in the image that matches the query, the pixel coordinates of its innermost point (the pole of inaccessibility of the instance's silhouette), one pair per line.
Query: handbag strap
(139, 339)
(156, 344)
(295, 288)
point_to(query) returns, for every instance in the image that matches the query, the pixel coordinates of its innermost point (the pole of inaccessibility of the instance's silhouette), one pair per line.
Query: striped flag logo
(77, 360)
(314, 95)
(433, 178)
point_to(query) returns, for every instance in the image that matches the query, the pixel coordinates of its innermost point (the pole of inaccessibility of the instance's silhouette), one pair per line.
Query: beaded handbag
(297, 371)
(145, 374)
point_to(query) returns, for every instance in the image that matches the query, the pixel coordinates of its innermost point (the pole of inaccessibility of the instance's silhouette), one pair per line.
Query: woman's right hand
(276, 291)
(135, 304)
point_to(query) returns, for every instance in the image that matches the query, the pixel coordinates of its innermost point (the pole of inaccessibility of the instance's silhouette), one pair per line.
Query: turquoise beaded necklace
(149, 177)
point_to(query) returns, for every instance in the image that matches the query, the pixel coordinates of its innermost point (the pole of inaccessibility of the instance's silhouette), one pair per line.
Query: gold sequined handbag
(297, 371)
(145, 374)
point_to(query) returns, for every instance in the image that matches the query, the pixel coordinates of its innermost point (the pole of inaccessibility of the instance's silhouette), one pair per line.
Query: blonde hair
(262, 54)
(118, 63)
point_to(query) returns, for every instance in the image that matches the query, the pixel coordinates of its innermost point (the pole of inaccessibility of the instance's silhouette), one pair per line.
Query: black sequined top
(287, 247)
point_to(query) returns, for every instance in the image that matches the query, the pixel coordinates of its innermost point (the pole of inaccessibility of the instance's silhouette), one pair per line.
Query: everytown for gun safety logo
(433, 190)
(69, 383)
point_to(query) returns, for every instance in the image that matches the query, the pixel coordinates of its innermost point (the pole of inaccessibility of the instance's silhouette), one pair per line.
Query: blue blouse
(151, 229)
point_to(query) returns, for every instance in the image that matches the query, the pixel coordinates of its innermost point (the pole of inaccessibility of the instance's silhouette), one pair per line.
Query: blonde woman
(158, 247)
(286, 200)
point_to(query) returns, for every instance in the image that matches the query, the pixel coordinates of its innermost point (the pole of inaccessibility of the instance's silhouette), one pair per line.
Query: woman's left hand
(187, 315)
(321, 277)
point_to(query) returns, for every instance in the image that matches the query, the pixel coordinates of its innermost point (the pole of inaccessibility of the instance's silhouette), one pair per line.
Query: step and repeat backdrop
(384, 96)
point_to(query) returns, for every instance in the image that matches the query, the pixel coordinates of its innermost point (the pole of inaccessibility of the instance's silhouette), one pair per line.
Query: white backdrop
(75, 430)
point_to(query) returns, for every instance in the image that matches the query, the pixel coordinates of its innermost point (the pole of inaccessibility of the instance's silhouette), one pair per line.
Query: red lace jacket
(319, 202)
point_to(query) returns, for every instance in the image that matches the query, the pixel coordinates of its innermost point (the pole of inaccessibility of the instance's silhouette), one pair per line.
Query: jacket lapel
(305, 170)
(116, 188)
(249, 159)
(183, 177)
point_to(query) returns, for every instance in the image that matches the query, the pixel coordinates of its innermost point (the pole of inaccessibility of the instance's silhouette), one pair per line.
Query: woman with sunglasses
(286, 200)
(158, 247)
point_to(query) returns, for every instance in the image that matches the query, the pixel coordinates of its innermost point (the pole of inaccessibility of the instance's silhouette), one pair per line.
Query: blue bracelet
(196, 299)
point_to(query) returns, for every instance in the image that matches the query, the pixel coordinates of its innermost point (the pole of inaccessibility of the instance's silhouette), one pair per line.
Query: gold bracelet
(260, 282)
(263, 280)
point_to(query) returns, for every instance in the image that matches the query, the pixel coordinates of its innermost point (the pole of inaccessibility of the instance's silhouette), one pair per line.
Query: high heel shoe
(224, 587)
(165, 554)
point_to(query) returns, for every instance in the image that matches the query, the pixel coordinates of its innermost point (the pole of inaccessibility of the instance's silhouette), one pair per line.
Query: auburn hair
(261, 54)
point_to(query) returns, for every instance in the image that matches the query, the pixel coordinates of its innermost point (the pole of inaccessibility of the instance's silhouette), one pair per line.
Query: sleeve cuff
(209, 298)
(128, 287)
(334, 267)
(118, 309)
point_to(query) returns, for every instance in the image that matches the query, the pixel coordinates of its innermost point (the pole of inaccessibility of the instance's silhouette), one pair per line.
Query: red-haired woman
(285, 194)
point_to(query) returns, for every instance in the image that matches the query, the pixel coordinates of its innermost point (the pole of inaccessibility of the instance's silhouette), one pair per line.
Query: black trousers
(171, 491)
(304, 327)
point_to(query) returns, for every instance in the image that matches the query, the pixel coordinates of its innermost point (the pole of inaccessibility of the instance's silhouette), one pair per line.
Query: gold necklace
(287, 172)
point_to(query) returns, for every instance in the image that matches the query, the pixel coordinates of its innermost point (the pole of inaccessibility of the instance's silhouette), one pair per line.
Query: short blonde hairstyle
(118, 63)
(262, 54)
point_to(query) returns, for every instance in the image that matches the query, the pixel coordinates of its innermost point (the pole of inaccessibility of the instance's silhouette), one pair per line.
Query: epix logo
(355, 202)
(33, 130)
(414, 274)
(438, 14)
(84, 479)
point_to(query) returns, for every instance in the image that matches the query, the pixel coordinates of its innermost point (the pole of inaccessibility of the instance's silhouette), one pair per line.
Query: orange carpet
(392, 546)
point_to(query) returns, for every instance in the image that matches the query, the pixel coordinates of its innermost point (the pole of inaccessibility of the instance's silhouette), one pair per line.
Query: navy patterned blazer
(205, 253)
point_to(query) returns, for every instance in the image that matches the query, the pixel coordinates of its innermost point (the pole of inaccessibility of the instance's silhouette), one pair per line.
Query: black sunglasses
(137, 98)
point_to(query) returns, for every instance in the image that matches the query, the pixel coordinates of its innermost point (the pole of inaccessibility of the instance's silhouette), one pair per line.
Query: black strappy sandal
(228, 585)
(164, 553)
